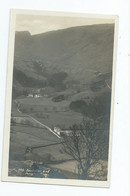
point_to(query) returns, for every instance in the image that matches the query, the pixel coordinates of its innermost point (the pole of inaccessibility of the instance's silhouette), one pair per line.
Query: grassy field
(44, 101)
(60, 119)
(26, 133)
(50, 113)
(25, 136)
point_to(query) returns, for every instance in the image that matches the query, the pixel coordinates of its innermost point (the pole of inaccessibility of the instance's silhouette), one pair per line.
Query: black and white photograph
(59, 105)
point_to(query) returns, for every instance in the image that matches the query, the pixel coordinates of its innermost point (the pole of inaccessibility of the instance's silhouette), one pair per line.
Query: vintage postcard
(59, 99)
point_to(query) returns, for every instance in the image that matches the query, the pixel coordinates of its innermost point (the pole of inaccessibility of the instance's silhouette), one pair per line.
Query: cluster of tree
(56, 80)
(58, 98)
(40, 67)
(26, 81)
(98, 108)
(89, 141)
(87, 148)
(17, 93)
(78, 106)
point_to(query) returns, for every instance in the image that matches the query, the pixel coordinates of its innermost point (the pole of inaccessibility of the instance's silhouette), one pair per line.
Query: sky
(37, 24)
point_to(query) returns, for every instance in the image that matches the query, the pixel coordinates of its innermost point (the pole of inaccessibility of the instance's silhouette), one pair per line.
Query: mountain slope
(81, 52)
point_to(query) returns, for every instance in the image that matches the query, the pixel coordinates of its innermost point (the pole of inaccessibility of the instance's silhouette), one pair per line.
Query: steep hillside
(82, 52)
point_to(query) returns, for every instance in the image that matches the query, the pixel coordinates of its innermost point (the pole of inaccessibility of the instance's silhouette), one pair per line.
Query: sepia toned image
(60, 89)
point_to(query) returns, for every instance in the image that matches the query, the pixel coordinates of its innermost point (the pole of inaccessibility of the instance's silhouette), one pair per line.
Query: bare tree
(87, 145)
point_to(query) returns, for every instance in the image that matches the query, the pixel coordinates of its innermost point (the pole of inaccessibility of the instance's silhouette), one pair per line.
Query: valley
(60, 79)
